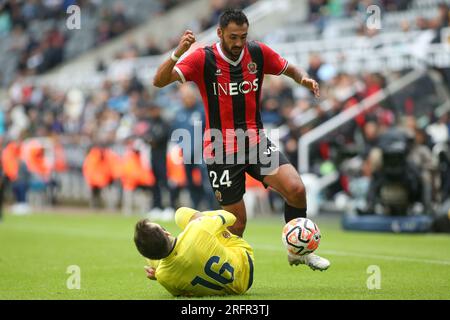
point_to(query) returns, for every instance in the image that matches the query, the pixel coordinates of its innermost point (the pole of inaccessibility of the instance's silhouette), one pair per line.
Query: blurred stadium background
(78, 111)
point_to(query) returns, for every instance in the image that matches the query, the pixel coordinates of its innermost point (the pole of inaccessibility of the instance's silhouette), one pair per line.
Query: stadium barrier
(375, 223)
(347, 115)
(335, 27)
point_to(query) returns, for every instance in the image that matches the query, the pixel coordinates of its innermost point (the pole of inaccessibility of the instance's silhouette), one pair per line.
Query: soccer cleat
(311, 260)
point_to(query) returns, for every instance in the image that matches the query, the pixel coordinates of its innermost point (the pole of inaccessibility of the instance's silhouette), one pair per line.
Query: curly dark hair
(232, 15)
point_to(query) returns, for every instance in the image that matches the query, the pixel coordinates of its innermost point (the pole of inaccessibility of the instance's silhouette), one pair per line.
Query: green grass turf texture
(36, 250)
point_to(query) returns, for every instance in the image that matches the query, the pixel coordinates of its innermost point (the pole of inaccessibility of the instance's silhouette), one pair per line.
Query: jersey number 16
(219, 277)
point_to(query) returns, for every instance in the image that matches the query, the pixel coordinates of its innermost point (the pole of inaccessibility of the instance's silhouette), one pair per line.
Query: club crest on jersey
(252, 67)
(218, 195)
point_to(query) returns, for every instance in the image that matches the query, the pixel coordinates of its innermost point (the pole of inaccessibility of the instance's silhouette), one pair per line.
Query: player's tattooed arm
(302, 78)
(166, 74)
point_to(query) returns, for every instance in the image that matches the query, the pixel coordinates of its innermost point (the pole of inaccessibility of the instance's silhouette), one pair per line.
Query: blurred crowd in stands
(324, 11)
(349, 8)
(152, 48)
(124, 113)
(120, 113)
(119, 126)
(128, 114)
(39, 52)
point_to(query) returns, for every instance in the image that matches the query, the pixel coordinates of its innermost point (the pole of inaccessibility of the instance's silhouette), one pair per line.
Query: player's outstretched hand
(150, 271)
(312, 85)
(187, 39)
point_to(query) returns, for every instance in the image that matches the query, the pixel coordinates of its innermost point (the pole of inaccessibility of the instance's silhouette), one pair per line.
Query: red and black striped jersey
(231, 90)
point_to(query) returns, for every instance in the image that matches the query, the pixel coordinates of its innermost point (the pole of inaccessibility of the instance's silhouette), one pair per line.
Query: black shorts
(228, 177)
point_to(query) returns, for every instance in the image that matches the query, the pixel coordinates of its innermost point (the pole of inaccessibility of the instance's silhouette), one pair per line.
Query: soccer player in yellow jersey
(205, 259)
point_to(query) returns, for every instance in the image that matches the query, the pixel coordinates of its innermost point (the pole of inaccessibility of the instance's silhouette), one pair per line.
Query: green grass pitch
(36, 250)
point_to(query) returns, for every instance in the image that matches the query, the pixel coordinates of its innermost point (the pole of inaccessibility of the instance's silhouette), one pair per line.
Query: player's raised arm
(217, 219)
(303, 79)
(228, 219)
(184, 215)
(166, 74)
(276, 65)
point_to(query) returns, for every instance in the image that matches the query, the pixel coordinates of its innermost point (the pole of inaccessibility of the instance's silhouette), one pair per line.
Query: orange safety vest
(197, 176)
(60, 164)
(10, 160)
(176, 173)
(252, 183)
(134, 173)
(35, 161)
(96, 168)
(115, 163)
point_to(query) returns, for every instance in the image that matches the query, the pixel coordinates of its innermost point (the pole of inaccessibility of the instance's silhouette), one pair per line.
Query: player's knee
(295, 192)
(239, 227)
(241, 223)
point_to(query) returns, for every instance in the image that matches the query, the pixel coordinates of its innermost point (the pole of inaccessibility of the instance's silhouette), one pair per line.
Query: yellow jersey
(206, 259)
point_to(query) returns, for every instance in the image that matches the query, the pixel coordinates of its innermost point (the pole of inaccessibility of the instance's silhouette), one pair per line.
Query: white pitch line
(362, 255)
(268, 247)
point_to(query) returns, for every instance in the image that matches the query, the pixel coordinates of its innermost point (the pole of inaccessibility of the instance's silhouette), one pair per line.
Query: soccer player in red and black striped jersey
(229, 75)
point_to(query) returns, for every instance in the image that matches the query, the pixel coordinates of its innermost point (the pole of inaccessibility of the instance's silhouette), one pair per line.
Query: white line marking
(102, 234)
(361, 255)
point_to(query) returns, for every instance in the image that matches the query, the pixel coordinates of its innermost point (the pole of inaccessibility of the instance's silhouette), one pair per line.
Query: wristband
(174, 57)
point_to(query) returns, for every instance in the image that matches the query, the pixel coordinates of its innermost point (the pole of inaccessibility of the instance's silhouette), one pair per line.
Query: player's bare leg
(238, 209)
(286, 181)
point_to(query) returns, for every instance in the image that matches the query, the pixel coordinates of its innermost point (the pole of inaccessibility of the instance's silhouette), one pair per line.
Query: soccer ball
(301, 236)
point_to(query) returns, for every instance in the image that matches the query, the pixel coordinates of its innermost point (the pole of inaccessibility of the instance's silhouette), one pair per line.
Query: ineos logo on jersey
(234, 88)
